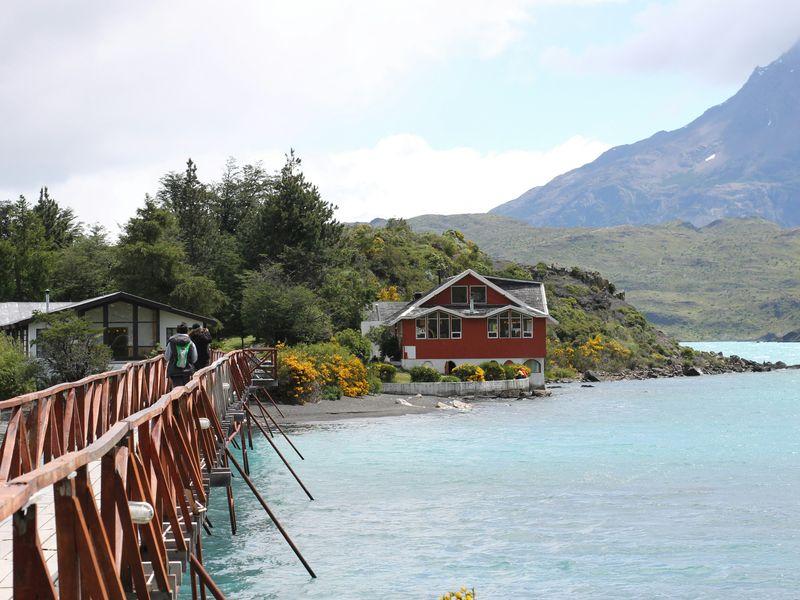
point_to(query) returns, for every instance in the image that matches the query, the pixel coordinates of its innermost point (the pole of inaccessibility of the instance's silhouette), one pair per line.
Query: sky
(397, 108)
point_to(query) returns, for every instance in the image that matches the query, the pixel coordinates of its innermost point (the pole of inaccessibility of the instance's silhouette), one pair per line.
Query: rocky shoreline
(707, 364)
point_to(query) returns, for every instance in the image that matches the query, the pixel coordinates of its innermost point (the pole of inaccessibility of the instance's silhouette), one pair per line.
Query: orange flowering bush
(467, 372)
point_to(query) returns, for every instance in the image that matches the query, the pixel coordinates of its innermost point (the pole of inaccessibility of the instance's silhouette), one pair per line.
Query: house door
(449, 366)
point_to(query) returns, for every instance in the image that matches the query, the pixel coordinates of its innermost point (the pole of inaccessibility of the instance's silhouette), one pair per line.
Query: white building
(132, 326)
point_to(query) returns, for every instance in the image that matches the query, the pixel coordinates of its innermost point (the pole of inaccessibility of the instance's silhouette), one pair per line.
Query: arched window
(534, 365)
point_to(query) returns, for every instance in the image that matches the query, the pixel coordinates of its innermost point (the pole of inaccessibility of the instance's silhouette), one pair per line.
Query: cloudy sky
(397, 107)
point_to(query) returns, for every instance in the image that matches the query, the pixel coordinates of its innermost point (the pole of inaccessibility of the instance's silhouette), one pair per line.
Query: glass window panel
(492, 324)
(147, 334)
(444, 327)
(458, 294)
(433, 329)
(455, 327)
(121, 342)
(478, 294)
(146, 314)
(527, 328)
(94, 315)
(120, 312)
(421, 329)
(516, 327)
(504, 326)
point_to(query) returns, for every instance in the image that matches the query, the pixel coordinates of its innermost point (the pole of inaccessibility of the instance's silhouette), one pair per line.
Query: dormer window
(458, 294)
(477, 293)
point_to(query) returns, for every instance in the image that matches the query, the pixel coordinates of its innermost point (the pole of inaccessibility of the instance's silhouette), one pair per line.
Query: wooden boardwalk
(104, 482)
(46, 525)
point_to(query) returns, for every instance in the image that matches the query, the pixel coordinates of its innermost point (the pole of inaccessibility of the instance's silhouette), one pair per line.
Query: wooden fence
(109, 450)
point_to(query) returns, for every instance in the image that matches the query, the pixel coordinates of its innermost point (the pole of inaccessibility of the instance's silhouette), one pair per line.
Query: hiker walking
(202, 341)
(181, 354)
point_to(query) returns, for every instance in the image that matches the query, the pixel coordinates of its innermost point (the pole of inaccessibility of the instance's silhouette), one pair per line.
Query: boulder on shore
(692, 372)
(591, 376)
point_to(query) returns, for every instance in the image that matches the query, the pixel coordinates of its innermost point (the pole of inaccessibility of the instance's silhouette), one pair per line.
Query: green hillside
(732, 279)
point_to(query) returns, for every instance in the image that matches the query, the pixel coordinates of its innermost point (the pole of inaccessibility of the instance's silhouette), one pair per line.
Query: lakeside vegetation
(263, 253)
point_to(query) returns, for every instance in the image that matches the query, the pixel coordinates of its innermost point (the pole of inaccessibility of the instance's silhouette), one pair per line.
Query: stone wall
(446, 389)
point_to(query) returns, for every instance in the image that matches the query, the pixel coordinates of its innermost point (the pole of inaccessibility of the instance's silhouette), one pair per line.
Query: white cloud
(716, 40)
(403, 176)
(400, 176)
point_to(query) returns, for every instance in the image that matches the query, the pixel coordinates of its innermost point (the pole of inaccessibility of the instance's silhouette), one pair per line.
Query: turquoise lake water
(674, 488)
(788, 352)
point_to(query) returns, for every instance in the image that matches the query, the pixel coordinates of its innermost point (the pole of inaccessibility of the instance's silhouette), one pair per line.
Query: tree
(61, 227)
(239, 194)
(84, 269)
(294, 227)
(346, 292)
(70, 347)
(356, 343)
(25, 257)
(275, 310)
(199, 294)
(18, 372)
(191, 203)
(150, 257)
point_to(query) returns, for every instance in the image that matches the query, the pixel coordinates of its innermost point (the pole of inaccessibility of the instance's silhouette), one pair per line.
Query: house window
(516, 326)
(438, 326)
(509, 324)
(527, 327)
(455, 328)
(171, 331)
(458, 294)
(433, 327)
(492, 327)
(444, 325)
(477, 293)
(421, 329)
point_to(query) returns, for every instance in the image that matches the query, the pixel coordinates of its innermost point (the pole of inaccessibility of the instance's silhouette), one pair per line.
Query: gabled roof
(15, 313)
(382, 310)
(529, 296)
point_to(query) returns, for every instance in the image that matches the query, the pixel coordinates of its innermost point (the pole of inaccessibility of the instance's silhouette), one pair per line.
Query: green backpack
(182, 354)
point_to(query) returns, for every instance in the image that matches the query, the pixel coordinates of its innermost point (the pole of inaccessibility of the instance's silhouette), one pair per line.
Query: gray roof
(381, 311)
(529, 292)
(13, 312)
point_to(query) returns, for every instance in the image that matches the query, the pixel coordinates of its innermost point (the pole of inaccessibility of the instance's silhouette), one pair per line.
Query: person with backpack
(181, 355)
(202, 341)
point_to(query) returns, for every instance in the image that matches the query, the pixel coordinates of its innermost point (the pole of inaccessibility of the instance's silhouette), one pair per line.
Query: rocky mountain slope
(741, 158)
(732, 279)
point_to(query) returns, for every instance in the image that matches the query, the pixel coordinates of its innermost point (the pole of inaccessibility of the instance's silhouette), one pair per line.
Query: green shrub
(424, 374)
(375, 385)
(552, 373)
(17, 371)
(493, 371)
(356, 343)
(467, 372)
(330, 392)
(384, 371)
(449, 379)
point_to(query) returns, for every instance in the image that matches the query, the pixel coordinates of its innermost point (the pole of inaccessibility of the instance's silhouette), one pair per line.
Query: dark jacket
(202, 340)
(170, 354)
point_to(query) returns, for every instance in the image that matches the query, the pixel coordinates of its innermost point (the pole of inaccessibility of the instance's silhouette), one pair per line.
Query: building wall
(443, 297)
(474, 343)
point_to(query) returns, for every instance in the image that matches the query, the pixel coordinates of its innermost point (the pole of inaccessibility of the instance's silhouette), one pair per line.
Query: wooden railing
(150, 445)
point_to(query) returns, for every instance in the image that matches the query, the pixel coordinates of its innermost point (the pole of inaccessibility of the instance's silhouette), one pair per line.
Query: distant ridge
(739, 159)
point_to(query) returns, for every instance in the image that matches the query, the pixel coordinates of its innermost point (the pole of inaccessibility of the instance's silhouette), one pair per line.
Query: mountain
(740, 158)
(693, 282)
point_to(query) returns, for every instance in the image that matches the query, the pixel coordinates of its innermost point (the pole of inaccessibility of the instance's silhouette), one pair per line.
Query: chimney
(472, 306)
(47, 300)
(417, 295)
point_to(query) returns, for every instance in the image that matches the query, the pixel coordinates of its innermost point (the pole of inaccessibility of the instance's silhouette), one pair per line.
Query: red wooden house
(471, 318)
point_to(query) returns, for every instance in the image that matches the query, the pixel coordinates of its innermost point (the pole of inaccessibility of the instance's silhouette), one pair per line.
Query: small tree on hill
(70, 347)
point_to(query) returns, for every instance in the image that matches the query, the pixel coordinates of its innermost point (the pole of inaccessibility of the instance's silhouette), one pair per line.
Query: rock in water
(692, 372)
(461, 405)
(403, 401)
(445, 406)
(591, 376)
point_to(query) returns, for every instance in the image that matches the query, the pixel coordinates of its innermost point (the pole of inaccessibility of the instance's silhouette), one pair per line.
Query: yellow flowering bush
(308, 369)
(467, 372)
(598, 352)
(389, 293)
(297, 377)
(462, 594)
